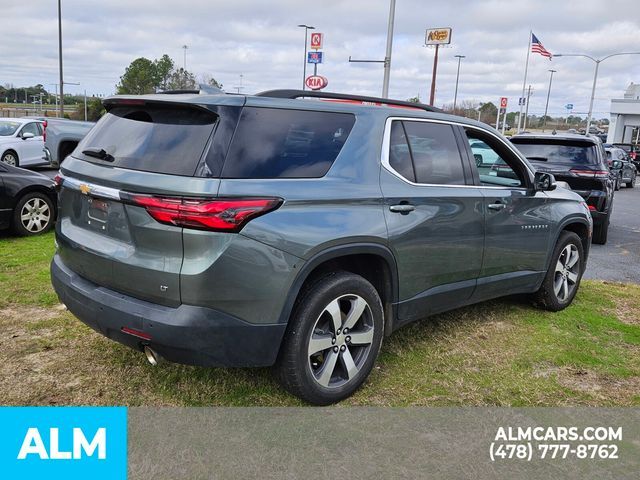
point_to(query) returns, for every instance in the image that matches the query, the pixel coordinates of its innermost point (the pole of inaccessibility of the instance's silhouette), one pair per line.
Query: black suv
(580, 161)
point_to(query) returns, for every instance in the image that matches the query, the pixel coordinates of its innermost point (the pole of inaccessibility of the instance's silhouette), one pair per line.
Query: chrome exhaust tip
(152, 356)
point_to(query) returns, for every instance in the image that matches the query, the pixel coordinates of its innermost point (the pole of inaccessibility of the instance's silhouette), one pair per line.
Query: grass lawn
(498, 353)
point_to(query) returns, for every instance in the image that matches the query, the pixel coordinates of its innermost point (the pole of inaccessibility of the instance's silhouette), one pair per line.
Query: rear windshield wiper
(538, 159)
(98, 153)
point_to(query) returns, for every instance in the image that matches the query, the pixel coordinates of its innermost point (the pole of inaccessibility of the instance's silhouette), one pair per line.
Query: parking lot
(619, 259)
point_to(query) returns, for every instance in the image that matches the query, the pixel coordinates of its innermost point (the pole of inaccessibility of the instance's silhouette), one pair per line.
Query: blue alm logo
(63, 442)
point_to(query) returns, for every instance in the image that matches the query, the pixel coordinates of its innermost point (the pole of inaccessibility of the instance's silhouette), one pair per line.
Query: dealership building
(625, 116)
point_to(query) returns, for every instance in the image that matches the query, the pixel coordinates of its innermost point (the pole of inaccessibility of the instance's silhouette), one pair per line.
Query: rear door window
(281, 143)
(156, 138)
(436, 157)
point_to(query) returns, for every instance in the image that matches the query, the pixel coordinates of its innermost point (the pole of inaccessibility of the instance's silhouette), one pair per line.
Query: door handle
(496, 206)
(402, 208)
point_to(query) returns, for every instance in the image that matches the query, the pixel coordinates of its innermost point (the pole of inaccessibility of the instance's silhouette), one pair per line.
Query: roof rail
(347, 98)
(178, 92)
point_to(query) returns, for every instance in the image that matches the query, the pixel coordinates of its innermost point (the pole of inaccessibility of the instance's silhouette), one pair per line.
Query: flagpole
(524, 83)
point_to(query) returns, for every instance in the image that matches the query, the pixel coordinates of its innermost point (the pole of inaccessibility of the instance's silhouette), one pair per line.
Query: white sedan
(21, 141)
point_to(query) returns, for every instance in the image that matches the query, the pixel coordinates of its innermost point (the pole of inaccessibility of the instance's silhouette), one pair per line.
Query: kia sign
(316, 40)
(316, 82)
(503, 102)
(438, 36)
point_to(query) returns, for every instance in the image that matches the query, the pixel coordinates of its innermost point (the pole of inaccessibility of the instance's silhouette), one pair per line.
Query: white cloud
(261, 41)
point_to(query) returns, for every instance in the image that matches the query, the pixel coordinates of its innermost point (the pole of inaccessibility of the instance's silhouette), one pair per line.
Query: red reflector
(136, 333)
(228, 214)
(592, 208)
(58, 179)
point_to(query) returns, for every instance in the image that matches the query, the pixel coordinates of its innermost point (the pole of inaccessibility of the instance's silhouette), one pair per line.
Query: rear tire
(320, 362)
(601, 232)
(632, 183)
(562, 280)
(618, 183)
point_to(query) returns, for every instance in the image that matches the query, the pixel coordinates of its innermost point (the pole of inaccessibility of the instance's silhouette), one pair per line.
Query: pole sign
(316, 40)
(438, 36)
(569, 106)
(316, 82)
(314, 57)
(522, 101)
(503, 102)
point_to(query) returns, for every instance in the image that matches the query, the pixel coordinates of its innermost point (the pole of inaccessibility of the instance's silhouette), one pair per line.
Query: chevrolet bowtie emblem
(84, 188)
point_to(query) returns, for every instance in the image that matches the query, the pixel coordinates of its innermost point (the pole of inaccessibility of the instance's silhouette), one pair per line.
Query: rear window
(153, 138)
(279, 143)
(561, 152)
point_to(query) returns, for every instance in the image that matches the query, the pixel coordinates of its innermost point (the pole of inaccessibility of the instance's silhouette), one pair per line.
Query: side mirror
(544, 182)
(478, 158)
(27, 135)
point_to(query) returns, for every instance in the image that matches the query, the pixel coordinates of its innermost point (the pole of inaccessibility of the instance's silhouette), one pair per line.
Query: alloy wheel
(340, 341)
(35, 215)
(567, 272)
(10, 159)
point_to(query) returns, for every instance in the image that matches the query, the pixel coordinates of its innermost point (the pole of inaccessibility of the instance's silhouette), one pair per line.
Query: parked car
(21, 141)
(61, 138)
(632, 150)
(622, 167)
(27, 201)
(580, 161)
(266, 230)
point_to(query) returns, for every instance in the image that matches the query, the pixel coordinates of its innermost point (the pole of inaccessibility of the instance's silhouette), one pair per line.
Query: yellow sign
(438, 36)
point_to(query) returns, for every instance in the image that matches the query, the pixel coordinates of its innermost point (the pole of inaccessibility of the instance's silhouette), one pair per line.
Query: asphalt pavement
(619, 259)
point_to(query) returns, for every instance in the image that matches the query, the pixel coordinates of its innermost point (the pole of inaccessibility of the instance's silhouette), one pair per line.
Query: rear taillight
(58, 180)
(590, 173)
(591, 208)
(224, 214)
(44, 131)
(633, 155)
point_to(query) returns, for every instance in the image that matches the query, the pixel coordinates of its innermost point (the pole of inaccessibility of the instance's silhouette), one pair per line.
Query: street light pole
(597, 61)
(546, 107)
(304, 65)
(455, 96)
(387, 56)
(61, 104)
(184, 62)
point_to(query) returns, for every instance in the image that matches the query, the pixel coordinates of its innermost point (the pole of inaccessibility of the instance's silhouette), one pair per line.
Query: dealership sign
(316, 82)
(438, 36)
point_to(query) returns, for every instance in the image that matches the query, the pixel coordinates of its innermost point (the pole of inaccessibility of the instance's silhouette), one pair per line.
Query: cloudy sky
(260, 40)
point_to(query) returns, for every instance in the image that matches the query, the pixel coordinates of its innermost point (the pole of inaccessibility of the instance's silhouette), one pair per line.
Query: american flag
(536, 47)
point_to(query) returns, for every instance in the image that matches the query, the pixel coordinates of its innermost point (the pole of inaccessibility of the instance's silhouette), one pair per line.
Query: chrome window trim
(386, 142)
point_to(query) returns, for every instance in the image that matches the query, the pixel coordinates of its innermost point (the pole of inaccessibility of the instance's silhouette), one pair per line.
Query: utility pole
(546, 107)
(455, 96)
(61, 104)
(387, 57)
(526, 110)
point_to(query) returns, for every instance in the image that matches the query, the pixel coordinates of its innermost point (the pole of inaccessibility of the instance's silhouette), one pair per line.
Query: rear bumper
(186, 334)
(599, 218)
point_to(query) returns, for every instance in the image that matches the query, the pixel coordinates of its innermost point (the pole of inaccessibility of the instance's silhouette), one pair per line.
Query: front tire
(562, 280)
(34, 214)
(10, 158)
(333, 339)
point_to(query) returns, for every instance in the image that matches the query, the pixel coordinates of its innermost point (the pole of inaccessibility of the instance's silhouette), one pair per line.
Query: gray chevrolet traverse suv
(276, 230)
